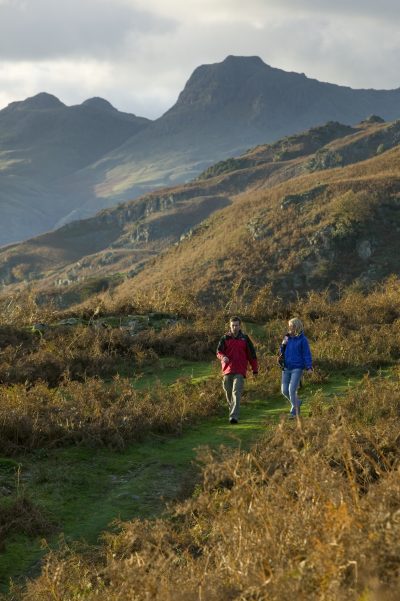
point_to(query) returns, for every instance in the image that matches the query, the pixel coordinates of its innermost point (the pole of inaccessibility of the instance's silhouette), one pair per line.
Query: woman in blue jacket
(296, 357)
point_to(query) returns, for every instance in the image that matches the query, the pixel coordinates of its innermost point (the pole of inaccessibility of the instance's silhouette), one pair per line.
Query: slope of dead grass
(311, 513)
(29, 355)
(98, 414)
(255, 241)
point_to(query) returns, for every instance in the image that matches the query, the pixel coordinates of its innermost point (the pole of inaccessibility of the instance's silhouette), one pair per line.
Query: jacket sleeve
(251, 355)
(282, 349)
(283, 344)
(221, 348)
(307, 354)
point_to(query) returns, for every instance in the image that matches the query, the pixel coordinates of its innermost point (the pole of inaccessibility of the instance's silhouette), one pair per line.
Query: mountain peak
(373, 119)
(225, 83)
(99, 103)
(43, 100)
(247, 60)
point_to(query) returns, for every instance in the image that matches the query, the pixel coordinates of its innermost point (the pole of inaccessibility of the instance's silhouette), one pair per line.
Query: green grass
(84, 489)
(255, 330)
(171, 369)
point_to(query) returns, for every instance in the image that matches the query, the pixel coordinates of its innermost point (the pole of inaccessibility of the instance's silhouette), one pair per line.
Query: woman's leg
(286, 374)
(293, 386)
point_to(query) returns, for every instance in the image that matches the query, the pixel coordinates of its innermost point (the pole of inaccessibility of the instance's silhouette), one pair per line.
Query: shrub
(19, 515)
(352, 208)
(98, 414)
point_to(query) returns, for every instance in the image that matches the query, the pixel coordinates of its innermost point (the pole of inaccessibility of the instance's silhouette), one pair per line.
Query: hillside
(123, 239)
(59, 163)
(331, 226)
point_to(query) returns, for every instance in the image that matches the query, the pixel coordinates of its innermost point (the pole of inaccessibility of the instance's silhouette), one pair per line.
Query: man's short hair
(235, 318)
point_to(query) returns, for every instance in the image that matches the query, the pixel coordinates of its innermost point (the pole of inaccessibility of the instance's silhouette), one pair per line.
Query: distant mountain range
(43, 145)
(60, 163)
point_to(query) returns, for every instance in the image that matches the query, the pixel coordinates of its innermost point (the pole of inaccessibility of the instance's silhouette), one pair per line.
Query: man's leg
(227, 384)
(237, 389)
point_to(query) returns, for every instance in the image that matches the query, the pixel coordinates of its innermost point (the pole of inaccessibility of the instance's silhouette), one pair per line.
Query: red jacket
(240, 351)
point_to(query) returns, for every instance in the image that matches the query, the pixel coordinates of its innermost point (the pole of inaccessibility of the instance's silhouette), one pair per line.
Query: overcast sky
(138, 54)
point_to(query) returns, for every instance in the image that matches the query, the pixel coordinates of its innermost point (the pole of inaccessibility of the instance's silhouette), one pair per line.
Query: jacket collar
(230, 335)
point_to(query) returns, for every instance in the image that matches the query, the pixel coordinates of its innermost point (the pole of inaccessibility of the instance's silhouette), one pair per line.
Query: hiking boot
(233, 420)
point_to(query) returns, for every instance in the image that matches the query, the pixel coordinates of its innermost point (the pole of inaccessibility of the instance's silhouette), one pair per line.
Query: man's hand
(255, 374)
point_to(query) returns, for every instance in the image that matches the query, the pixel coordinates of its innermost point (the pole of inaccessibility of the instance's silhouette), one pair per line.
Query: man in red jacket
(235, 350)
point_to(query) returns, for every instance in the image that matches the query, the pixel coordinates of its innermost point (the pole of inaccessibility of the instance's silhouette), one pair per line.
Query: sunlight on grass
(169, 369)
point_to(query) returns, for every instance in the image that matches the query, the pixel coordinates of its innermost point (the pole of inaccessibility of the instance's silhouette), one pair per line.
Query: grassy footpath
(84, 489)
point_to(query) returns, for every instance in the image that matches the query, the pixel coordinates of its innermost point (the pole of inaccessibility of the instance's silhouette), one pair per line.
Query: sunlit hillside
(337, 226)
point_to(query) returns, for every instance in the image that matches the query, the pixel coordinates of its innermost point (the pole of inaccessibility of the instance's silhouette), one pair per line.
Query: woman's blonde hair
(297, 324)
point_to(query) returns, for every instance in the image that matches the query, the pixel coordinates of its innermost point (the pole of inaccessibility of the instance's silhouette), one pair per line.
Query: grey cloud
(317, 47)
(385, 10)
(46, 29)
(149, 58)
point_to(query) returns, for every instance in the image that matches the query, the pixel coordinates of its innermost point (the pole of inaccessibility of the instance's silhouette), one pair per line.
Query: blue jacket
(297, 352)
